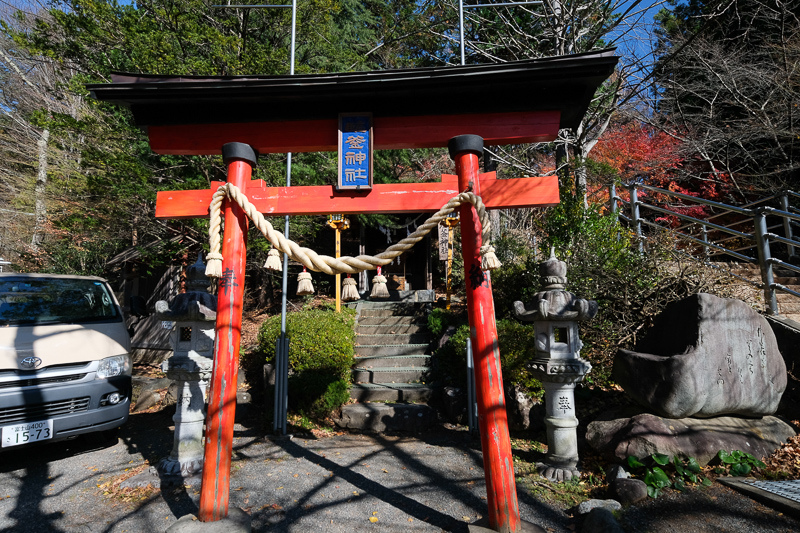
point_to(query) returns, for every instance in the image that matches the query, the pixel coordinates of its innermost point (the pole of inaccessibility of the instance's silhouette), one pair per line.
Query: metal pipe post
(765, 261)
(501, 490)
(282, 354)
(787, 224)
(449, 265)
(471, 414)
(635, 220)
(214, 491)
(461, 28)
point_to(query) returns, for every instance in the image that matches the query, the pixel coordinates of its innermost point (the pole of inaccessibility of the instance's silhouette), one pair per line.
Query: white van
(64, 362)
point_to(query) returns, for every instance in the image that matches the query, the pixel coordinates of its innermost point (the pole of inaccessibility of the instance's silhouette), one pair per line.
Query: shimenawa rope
(332, 265)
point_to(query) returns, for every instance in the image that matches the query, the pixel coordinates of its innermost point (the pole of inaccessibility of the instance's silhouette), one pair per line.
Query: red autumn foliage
(636, 150)
(630, 151)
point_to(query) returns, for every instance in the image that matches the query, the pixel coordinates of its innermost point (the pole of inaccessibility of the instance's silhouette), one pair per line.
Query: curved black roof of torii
(564, 83)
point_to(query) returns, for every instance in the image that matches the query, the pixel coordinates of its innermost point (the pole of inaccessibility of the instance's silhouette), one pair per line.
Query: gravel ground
(430, 483)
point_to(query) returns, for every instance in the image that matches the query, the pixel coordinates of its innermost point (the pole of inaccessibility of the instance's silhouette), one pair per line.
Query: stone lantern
(555, 314)
(193, 314)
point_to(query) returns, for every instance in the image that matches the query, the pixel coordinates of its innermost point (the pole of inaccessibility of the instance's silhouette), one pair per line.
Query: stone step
(412, 296)
(785, 307)
(385, 311)
(399, 338)
(391, 392)
(392, 361)
(391, 329)
(389, 375)
(391, 349)
(387, 320)
(381, 417)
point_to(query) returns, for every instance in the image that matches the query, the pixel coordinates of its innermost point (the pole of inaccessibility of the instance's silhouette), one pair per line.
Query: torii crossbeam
(519, 102)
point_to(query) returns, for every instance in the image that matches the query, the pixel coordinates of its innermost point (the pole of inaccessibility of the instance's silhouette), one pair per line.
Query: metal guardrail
(715, 236)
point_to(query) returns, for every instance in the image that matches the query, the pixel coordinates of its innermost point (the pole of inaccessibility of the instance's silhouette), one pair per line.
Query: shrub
(515, 342)
(317, 394)
(440, 319)
(319, 340)
(320, 357)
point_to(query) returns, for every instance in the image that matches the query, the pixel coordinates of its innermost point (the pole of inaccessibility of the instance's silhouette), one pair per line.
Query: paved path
(333, 485)
(430, 483)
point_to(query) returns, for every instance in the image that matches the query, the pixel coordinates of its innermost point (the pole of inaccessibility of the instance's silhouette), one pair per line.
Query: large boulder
(705, 356)
(619, 434)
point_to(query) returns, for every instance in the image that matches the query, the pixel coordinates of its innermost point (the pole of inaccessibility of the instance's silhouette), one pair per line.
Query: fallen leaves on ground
(785, 461)
(129, 495)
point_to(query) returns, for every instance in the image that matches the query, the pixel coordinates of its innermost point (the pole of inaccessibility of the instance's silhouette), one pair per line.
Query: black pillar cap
(465, 143)
(231, 151)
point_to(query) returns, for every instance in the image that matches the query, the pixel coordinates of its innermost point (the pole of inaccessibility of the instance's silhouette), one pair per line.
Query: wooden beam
(385, 198)
(321, 135)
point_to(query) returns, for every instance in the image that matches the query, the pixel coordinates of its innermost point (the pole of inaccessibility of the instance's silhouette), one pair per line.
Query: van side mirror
(138, 306)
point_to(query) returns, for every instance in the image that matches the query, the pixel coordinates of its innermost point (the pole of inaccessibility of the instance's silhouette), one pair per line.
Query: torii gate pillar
(498, 464)
(215, 488)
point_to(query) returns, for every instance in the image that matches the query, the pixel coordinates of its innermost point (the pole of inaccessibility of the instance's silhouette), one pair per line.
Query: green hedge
(321, 348)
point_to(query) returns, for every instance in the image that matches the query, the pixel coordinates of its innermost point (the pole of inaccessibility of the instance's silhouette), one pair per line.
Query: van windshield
(54, 301)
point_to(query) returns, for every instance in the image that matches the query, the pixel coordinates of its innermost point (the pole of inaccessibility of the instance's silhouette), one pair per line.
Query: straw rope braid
(325, 263)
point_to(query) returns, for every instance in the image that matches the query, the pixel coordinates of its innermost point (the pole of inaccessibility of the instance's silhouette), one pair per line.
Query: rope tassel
(349, 290)
(214, 265)
(489, 260)
(379, 289)
(273, 260)
(304, 285)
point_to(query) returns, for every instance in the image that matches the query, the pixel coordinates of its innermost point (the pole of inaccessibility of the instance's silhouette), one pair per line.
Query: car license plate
(25, 432)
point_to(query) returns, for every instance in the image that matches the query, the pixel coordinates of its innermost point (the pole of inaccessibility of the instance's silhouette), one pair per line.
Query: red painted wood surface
(389, 198)
(215, 488)
(498, 464)
(321, 135)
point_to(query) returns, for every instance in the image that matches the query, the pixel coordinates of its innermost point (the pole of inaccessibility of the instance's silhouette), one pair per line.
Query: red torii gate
(525, 102)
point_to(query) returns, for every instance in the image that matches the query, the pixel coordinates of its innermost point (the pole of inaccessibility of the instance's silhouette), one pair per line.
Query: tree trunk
(40, 207)
(581, 181)
(562, 162)
(266, 294)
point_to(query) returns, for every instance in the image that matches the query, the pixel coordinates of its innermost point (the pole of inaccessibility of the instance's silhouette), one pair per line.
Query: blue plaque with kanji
(355, 151)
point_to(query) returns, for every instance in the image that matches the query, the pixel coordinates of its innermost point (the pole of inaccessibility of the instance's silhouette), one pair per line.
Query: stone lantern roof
(554, 302)
(196, 304)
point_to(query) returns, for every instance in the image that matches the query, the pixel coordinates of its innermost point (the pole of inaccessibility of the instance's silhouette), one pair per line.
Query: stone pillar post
(193, 314)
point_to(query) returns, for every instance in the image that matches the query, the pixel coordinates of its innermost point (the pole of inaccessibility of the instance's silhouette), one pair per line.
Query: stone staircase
(788, 304)
(392, 352)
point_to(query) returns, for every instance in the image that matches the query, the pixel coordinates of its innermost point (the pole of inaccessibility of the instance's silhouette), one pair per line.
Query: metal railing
(744, 233)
